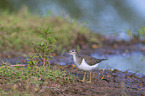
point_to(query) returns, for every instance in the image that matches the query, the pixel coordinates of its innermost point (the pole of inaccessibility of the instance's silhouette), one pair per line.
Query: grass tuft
(28, 80)
(17, 30)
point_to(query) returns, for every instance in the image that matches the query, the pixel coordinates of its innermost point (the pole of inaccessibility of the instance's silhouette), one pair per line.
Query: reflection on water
(134, 62)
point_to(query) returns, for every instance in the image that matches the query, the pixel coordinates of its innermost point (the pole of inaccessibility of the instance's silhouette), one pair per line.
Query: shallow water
(133, 62)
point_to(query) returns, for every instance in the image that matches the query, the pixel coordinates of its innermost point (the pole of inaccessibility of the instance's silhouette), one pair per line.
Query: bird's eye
(73, 51)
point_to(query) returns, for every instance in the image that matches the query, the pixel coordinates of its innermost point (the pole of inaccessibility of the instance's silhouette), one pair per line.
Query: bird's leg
(84, 77)
(90, 78)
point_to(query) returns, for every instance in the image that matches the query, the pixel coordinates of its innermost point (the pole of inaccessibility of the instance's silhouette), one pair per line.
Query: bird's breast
(86, 67)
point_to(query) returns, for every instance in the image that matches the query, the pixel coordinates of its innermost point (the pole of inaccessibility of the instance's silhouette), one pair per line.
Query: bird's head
(73, 52)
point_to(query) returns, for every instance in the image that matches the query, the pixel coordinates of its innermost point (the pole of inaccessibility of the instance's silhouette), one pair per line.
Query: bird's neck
(76, 55)
(75, 58)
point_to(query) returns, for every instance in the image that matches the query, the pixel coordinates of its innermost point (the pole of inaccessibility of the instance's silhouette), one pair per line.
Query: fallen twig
(15, 65)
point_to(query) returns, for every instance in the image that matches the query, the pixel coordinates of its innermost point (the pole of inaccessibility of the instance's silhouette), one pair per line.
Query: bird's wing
(92, 60)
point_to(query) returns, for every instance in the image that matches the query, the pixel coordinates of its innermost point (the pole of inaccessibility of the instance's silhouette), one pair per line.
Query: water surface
(133, 62)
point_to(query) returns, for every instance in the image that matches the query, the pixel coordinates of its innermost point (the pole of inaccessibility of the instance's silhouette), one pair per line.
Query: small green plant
(129, 33)
(45, 47)
(142, 31)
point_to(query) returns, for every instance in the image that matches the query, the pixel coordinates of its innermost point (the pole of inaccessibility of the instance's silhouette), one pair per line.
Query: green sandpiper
(85, 63)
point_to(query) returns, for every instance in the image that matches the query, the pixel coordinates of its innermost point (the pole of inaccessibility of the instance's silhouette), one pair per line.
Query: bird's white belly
(86, 67)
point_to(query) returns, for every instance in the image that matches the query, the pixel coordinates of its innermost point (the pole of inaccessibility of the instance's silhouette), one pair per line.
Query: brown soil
(105, 82)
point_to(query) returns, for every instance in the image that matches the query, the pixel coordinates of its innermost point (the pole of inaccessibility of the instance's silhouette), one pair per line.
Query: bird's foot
(89, 82)
(82, 80)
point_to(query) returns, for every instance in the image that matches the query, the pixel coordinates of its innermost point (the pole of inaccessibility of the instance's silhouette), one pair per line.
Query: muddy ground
(104, 82)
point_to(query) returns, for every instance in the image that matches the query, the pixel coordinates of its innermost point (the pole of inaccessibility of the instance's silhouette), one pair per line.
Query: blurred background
(114, 18)
(114, 27)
